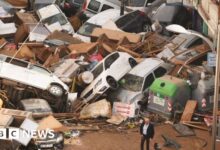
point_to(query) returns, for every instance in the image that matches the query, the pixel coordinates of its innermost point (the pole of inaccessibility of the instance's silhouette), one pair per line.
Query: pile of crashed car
(58, 57)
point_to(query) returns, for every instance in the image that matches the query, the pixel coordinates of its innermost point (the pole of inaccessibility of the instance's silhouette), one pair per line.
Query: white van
(97, 6)
(96, 21)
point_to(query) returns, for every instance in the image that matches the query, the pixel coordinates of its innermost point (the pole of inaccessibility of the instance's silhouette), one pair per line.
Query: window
(56, 18)
(148, 81)
(109, 60)
(87, 29)
(40, 69)
(149, 2)
(159, 72)
(105, 7)
(195, 43)
(126, 19)
(16, 62)
(98, 70)
(132, 82)
(135, 3)
(94, 5)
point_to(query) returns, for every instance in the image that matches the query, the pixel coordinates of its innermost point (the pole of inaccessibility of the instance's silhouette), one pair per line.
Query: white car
(32, 75)
(96, 21)
(96, 6)
(107, 73)
(54, 19)
(134, 85)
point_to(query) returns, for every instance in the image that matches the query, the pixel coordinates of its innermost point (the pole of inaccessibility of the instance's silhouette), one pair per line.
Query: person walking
(147, 133)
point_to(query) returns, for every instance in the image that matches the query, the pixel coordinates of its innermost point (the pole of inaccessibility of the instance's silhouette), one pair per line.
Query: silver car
(134, 85)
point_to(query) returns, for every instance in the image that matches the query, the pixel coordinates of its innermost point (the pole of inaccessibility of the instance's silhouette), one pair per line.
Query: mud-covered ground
(101, 140)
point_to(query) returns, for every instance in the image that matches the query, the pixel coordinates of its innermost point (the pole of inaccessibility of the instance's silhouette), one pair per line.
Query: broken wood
(189, 110)
(115, 35)
(123, 49)
(196, 126)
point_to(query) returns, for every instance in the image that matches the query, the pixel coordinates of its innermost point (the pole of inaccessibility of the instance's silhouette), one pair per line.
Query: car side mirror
(146, 93)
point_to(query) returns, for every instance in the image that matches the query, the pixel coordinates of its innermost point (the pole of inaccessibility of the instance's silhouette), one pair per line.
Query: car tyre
(146, 27)
(56, 90)
(112, 82)
(132, 62)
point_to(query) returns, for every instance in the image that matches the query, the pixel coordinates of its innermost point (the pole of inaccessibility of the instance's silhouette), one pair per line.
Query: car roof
(102, 17)
(186, 38)
(165, 13)
(146, 66)
(125, 14)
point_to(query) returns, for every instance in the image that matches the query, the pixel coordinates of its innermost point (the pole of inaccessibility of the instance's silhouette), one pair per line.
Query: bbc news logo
(6, 133)
(16, 133)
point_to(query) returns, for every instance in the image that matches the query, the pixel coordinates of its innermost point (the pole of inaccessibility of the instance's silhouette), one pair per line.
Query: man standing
(147, 132)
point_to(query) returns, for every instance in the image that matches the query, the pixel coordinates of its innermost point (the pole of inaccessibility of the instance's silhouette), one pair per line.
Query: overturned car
(21, 79)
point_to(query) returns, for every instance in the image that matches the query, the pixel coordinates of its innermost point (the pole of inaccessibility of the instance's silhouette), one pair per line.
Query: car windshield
(87, 29)
(56, 18)
(135, 3)
(124, 20)
(40, 70)
(94, 5)
(132, 82)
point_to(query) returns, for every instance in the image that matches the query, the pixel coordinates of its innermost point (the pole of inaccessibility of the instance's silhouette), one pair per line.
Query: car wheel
(112, 82)
(56, 90)
(146, 27)
(132, 62)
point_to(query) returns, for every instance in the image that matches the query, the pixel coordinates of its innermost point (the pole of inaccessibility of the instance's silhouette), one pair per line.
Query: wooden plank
(123, 49)
(196, 126)
(5, 120)
(116, 35)
(189, 110)
(16, 113)
(82, 48)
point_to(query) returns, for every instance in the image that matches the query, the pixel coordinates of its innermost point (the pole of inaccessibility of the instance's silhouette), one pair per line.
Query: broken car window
(94, 5)
(132, 82)
(105, 7)
(109, 61)
(98, 70)
(87, 29)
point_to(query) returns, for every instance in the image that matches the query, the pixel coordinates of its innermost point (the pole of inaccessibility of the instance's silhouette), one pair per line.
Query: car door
(39, 77)
(14, 70)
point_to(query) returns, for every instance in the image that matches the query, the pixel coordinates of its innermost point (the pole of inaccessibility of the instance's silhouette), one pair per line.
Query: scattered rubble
(50, 79)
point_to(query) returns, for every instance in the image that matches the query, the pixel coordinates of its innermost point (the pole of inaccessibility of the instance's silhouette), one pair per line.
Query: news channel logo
(17, 133)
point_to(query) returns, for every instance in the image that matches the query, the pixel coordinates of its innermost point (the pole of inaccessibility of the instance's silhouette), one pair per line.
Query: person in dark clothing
(147, 132)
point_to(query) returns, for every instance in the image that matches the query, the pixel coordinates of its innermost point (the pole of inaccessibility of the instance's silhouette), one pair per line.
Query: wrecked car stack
(116, 67)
